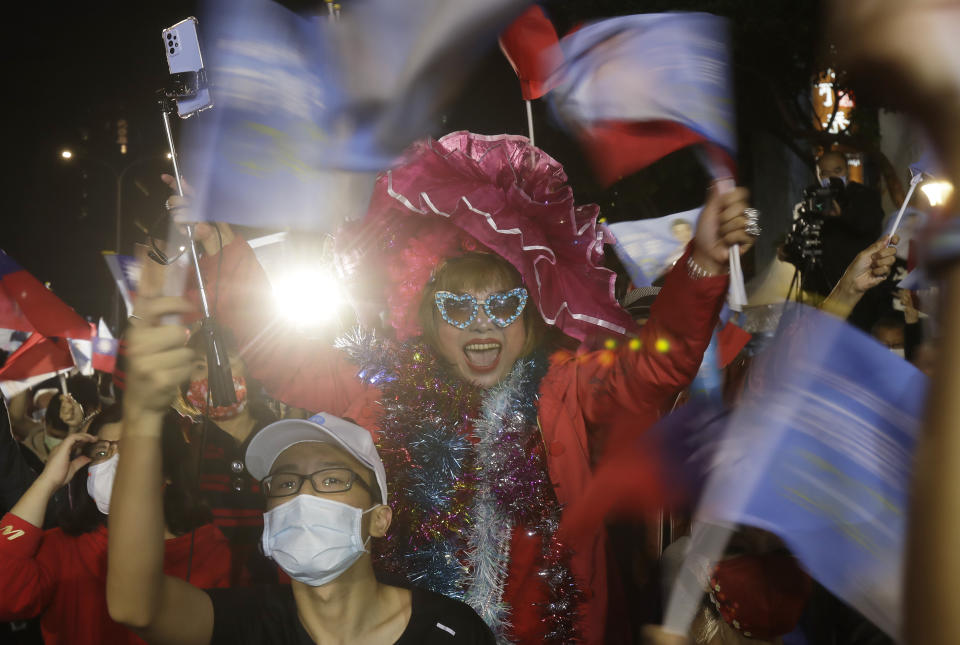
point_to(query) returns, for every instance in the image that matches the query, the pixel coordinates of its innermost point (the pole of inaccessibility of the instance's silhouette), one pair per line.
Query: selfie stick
(220, 378)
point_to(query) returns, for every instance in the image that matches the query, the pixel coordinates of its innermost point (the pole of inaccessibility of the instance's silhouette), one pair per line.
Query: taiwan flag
(39, 355)
(27, 305)
(105, 349)
(635, 88)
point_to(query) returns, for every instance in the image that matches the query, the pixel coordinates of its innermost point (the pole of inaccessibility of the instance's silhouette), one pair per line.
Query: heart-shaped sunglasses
(502, 308)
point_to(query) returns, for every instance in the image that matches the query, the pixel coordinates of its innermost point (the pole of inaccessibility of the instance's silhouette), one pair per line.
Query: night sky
(78, 69)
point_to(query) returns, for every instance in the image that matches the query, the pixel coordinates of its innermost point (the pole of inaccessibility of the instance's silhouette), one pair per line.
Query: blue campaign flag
(308, 110)
(820, 453)
(648, 248)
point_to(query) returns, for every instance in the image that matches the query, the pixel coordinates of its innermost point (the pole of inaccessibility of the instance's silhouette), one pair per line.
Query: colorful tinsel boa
(456, 501)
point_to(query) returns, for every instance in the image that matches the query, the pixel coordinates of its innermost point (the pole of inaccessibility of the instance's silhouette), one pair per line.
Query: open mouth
(482, 355)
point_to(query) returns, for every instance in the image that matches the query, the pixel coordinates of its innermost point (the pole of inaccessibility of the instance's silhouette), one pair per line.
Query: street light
(937, 192)
(119, 176)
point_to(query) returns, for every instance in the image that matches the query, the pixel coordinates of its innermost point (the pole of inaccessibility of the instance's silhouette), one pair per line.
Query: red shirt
(62, 578)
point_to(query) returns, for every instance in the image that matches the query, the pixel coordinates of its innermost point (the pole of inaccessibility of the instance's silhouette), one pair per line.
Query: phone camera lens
(169, 36)
(171, 50)
(176, 44)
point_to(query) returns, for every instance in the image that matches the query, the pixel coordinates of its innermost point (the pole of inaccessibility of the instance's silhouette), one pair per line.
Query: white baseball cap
(266, 445)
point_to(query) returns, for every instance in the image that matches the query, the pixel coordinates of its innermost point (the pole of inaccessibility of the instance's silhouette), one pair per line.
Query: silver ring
(753, 222)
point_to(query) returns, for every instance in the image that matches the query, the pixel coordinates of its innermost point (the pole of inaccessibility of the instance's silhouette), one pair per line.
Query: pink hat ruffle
(510, 197)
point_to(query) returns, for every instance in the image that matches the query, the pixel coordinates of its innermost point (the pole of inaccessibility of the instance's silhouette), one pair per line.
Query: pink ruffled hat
(498, 193)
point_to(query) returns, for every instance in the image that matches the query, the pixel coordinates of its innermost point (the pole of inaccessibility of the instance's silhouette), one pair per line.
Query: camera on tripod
(803, 247)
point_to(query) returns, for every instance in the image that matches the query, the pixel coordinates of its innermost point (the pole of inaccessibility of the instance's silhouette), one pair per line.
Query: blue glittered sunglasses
(502, 308)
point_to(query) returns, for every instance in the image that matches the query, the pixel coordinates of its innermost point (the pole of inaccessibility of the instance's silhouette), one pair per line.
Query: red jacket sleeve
(28, 586)
(643, 377)
(300, 372)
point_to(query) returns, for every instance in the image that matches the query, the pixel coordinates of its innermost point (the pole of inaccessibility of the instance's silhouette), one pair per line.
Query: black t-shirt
(267, 615)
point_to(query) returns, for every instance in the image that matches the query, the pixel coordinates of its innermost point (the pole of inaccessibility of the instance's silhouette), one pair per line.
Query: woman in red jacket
(60, 575)
(487, 428)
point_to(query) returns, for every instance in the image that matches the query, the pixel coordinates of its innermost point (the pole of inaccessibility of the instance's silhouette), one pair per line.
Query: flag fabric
(664, 467)
(820, 452)
(105, 354)
(928, 163)
(11, 339)
(636, 88)
(10, 389)
(648, 248)
(38, 355)
(125, 270)
(530, 46)
(30, 306)
(104, 349)
(731, 339)
(307, 111)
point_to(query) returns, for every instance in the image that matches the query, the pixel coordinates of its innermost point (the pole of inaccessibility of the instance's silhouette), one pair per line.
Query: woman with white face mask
(60, 574)
(326, 495)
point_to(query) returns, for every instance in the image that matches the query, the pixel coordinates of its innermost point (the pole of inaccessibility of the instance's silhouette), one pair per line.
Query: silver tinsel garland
(456, 502)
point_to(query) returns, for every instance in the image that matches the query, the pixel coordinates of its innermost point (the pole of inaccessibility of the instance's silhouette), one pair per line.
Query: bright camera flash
(308, 297)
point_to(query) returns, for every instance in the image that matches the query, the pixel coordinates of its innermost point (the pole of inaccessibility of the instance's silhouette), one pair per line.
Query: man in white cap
(326, 498)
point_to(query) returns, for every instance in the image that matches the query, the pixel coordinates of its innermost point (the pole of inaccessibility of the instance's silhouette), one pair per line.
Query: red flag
(730, 340)
(27, 305)
(39, 355)
(105, 354)
(529, 43)
(618, 149)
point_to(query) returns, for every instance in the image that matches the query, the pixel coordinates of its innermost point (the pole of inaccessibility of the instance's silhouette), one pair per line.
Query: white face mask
(100, 482)
(50, 442)
(825, 181)
(314, 539)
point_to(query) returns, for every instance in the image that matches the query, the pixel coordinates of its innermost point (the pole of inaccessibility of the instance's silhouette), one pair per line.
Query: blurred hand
(158, 360)
(721, 225)
(59, 468)
(654, 635)
(904, 48)
(204, 233)
(910, 313)
(871, 266)
(71, 412)
(905, 53)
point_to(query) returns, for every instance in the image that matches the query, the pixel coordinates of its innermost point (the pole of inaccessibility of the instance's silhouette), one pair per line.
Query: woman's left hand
(71, 412)
(722, 224)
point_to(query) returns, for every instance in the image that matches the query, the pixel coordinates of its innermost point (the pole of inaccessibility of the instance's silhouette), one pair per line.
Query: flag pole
(724, 182)
(914, 182)
(530, 121)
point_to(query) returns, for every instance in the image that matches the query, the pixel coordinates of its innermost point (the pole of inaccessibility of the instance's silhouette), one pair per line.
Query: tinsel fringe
(453, 498)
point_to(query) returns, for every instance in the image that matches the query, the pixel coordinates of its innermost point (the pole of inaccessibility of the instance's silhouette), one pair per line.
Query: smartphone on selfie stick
(188, 93)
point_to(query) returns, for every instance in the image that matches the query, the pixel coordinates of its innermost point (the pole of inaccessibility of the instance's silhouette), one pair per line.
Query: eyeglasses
(460, 310)
(328, 480)
(101, 450)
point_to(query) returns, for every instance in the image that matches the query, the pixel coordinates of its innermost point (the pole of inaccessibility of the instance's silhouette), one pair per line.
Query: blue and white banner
(648, 248)
(307, 110)
(820, 452)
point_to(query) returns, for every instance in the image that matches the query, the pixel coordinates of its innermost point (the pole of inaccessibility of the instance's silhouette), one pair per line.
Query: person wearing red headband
(486, 416)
